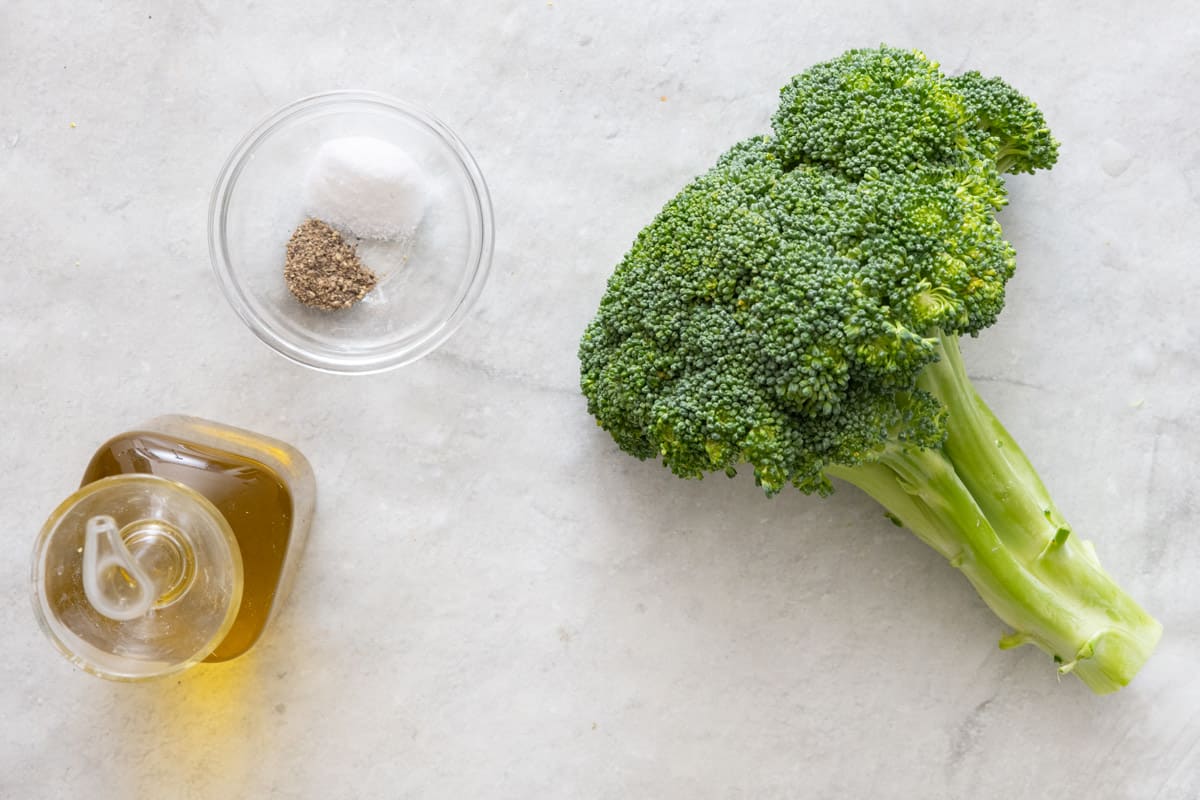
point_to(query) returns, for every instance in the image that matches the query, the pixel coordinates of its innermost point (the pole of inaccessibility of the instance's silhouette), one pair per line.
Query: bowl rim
(479, 261)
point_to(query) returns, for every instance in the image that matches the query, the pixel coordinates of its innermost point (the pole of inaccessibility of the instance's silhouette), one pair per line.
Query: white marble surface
(495, 602)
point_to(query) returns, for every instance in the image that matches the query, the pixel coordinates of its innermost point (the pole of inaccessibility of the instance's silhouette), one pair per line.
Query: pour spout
(115, 584)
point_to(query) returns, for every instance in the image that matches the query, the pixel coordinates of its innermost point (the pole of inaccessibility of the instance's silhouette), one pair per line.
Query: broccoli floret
(1011, 128)
(797, 308)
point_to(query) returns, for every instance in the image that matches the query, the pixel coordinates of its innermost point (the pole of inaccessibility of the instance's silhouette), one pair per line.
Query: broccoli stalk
(978, 501)
(797, 308)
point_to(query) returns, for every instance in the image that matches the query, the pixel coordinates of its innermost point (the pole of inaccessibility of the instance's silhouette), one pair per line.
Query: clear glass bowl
(427, 285)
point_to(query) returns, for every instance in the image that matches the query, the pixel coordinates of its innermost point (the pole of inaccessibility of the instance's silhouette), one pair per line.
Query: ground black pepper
(322, 270)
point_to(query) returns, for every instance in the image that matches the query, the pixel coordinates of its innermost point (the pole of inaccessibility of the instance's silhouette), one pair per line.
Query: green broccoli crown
(778, 310)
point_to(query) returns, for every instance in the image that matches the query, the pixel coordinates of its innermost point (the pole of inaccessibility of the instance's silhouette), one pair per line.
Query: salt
(366, 187)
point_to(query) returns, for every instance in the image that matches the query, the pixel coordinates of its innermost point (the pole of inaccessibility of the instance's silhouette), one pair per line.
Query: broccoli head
(797, 309)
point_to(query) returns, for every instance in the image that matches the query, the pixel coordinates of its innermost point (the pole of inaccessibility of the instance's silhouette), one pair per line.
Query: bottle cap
(136, 576)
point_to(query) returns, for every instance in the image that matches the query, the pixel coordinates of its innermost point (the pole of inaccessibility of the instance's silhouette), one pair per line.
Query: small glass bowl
(427, 284)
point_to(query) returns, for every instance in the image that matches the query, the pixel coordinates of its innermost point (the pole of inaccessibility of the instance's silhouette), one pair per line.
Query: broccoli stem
(978, 501)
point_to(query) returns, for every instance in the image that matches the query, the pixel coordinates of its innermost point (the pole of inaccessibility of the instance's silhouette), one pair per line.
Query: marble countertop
(494, 601)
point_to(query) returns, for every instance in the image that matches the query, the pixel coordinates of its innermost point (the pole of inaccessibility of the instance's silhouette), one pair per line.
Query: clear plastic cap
(136, 576)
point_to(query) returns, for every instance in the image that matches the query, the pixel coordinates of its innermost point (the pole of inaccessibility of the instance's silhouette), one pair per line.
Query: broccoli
(798, 307)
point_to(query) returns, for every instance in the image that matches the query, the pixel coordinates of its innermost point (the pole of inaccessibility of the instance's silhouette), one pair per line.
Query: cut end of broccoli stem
(1110, 659)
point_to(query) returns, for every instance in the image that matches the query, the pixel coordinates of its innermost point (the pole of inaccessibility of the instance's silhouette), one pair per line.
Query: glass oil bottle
(179, 547)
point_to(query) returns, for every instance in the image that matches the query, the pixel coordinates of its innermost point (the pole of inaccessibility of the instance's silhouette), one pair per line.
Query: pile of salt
(366, 187)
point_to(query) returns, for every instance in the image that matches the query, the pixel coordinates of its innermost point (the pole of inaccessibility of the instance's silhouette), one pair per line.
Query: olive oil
(256, 492)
